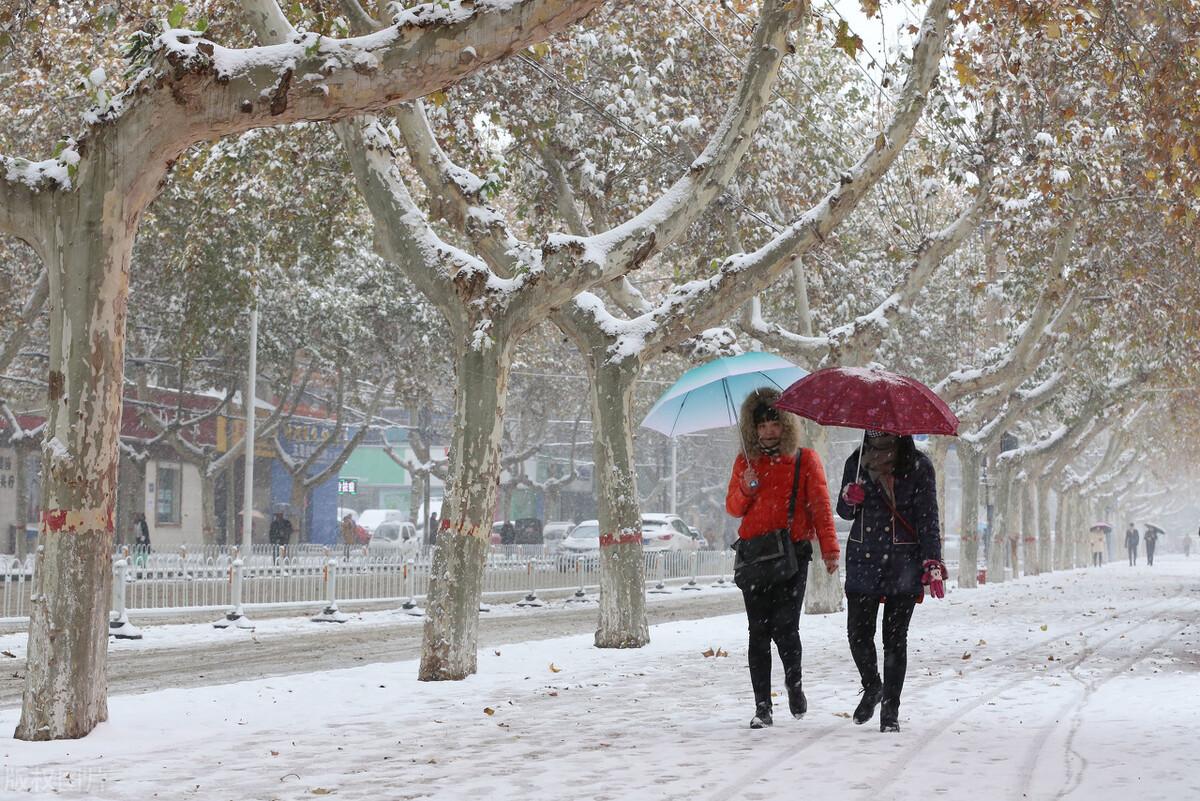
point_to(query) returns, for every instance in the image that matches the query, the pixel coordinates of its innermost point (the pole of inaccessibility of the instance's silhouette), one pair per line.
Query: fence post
(721, 582)
(531, 599)
(118, 619)
(660, 587)
(235, 617)
(579, 596)
(692, 585)
(330, 614)
(410, 604)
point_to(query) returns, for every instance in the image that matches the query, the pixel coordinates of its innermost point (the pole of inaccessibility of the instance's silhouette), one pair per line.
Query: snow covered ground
(1079, 685)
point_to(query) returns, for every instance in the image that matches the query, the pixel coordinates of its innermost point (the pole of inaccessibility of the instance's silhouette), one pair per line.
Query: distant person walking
(280, 533)
(1187, 545)
(1151, 540)
(779, 492)
(141, 533)
(1131, 544)
(1096, 542)
(349, 532)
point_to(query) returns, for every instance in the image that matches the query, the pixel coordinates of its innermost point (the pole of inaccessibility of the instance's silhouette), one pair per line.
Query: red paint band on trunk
(54, 519)
(608, 540)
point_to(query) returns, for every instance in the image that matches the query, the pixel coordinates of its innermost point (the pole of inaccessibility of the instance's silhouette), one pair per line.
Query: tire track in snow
(938, 729)
(759, 769)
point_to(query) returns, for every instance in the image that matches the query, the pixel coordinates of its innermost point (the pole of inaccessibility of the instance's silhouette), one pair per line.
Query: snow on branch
(573, 263)
(858, 341)
(1055, 304)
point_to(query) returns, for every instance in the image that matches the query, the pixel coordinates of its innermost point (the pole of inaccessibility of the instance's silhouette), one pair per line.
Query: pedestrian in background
(1096, 542)
(1151, 540)
(1131, 544)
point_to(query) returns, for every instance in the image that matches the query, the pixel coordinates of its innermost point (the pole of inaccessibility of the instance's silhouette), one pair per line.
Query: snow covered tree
(79, 210)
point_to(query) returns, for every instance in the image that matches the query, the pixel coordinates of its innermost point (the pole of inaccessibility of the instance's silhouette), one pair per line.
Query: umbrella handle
(858, 469)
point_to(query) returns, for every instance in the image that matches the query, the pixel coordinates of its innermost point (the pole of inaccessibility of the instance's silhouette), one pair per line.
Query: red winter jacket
(767, 509)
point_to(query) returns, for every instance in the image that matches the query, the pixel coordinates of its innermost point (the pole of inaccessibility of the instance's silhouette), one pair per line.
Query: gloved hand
(854, 494)
(934, 575)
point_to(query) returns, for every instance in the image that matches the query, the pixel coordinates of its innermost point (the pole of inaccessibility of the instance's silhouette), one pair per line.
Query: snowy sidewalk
(1077, 685)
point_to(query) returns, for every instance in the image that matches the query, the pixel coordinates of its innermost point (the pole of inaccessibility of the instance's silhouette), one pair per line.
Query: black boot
(866, 705)
(762, 717)
(889, 716)
(797, 702)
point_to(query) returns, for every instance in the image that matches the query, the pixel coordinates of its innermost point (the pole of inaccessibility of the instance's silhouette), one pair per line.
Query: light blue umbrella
(709, 396)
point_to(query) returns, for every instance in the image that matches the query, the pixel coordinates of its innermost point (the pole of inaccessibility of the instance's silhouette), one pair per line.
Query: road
(140, 671)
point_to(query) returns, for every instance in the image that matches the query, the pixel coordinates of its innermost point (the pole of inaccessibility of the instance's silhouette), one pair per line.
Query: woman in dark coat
(893, 549)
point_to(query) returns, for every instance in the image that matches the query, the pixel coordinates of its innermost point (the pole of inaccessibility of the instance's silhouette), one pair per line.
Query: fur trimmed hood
(790, 440)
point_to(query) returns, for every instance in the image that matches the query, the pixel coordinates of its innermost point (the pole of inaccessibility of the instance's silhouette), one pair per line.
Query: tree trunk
(622, 565)
(1029, 530)
(232, 533)
(299, 511)
(1061, 521)
(87, 254)
(968, 557)
(21, 475)
(1045, 560)
(208, 505)
(448, 650)
(823, 595)
(937, 455)
(998, 553)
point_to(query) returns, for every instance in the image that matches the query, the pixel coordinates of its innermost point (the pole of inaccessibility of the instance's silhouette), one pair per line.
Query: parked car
(371, 518)
(394, 536)
(666, 532)
(701, 541)
(554, 533)
(584, 539)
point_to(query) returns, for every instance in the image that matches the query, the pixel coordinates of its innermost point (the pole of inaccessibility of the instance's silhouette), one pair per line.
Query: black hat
(765, 412)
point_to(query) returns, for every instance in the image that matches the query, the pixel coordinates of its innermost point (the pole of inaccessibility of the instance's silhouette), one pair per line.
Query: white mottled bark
(456, 582)
(968, 556)
(1029, 553)
(1045, 544)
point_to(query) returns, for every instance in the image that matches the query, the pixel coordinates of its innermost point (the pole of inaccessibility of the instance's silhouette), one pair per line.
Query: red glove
(854, 494)
(934, 576)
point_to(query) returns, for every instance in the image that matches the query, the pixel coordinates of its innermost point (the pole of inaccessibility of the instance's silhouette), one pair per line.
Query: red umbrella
(876, 400)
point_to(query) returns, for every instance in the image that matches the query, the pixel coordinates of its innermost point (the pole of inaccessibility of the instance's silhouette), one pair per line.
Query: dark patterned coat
(882, 556)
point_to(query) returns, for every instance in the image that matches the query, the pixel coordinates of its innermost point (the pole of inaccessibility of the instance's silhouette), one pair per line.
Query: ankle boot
(762, 717)
(866, 705)
(889, 716)
(797, 703)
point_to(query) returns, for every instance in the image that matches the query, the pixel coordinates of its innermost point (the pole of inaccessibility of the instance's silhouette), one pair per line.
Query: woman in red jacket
(759, 493)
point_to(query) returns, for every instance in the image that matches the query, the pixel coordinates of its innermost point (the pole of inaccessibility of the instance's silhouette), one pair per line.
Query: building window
(166, 500)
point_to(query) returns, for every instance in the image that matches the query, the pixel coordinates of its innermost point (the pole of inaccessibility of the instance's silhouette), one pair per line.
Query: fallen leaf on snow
(841, 714)
(966, 655)
(555, 668)
(709, 652)
(9, 654)
(1044, 627)
(487, 710)
(722, 652)
(274, 753)
(321, 791)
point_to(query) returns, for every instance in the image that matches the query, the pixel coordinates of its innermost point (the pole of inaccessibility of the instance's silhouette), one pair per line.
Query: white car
(664, 532)
(394, 536)
(583, 540)
(553, 535)
(371, 518)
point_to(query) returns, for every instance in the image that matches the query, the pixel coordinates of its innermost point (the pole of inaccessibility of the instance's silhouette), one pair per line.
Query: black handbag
(770, 558)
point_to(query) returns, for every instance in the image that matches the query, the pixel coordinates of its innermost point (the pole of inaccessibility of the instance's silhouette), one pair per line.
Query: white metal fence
(202, 578)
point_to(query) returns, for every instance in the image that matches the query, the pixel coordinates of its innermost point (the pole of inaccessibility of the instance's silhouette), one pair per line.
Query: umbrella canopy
(1104, 526)
(1159, 529)
(859, 397)
(709, 395)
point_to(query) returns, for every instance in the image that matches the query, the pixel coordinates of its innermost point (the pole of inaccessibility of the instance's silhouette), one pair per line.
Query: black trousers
(1097, 559)
(861, 614)
(1132, 554)
(773, 614)
(1149, 554)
